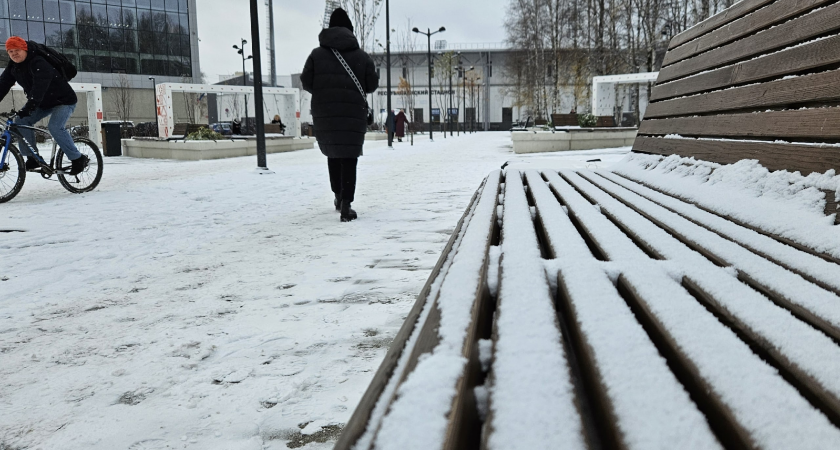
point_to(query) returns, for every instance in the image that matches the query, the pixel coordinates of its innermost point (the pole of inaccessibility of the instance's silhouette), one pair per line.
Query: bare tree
(123, 98)
(194, 104)
(364, 14)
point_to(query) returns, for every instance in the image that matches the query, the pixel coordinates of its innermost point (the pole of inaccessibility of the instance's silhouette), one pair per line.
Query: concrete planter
(572, 139)
(199, 150)
(376, 136)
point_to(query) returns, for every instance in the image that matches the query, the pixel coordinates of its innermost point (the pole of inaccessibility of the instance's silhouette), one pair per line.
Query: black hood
(339, 38)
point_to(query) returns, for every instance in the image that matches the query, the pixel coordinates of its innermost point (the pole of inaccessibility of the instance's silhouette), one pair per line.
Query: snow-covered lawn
(201, 305)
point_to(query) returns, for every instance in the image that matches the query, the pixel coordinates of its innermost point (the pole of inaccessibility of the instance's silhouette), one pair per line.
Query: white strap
(350, 71)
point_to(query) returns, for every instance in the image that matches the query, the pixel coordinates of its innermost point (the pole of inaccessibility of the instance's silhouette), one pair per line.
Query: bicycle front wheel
(86, 180)
(12, 175)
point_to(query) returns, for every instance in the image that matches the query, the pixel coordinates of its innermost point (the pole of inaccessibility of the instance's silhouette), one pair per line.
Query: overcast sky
(297, 24)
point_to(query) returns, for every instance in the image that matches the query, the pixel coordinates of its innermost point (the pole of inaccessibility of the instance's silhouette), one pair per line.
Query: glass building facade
(149, 37)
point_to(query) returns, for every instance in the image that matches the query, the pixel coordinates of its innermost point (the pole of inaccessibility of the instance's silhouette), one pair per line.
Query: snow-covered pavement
(201, 305)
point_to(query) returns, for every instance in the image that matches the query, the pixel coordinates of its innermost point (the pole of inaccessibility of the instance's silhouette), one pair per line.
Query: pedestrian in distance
(277, 121)
(48, 94)
(391, 125)
(399, 125)
(338, 74)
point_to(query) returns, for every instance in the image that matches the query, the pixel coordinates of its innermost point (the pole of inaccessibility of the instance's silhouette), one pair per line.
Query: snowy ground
(200, 305)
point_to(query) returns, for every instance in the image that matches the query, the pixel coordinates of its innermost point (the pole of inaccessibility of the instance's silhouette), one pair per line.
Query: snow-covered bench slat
(644, 406)
(458, 278)
(531, 403)
(817, 306)
(802, 353)
(815, 269)
(749, 403)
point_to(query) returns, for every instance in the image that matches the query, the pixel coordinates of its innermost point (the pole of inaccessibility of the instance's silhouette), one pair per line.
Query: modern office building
(138, 38)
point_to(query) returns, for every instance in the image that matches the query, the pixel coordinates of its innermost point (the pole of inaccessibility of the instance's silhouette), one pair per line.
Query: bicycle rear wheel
(86, 180)
(12, 175)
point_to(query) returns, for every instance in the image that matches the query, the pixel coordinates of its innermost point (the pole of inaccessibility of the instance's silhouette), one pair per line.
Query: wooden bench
(185, 129)
(564, 120)
(620, 309)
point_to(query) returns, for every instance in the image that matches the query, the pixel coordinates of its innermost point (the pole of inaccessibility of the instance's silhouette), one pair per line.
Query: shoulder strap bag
(358, 85)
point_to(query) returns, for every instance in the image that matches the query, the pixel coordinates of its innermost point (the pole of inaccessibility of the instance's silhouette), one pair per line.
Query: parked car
(223, 128)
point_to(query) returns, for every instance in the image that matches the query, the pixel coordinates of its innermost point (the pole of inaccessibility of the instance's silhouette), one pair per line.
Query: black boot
(78, 165)
(347, 214)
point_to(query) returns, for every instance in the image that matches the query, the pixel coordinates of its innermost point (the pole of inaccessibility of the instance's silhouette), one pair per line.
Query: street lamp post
(388, 71)
(429, 34)
(154, 97)
(241, 51)
(258, 92)
(464, 90)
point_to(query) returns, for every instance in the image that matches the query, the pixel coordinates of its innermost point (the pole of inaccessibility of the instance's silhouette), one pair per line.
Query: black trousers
(343, 177)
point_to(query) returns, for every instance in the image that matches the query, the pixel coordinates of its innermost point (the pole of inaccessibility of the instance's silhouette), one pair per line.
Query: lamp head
(236, 46)
(249, 56)
(442, 29)
(415, 30)
(244, 41)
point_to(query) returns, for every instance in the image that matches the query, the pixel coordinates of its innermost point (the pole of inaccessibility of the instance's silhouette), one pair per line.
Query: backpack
(60, 62)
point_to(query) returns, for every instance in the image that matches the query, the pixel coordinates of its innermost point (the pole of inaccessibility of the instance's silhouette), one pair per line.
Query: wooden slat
(794, 60)
(756, 228)
(530, 365)
(792, 157)
(787, 34)
(813, 88)
(810, 303)
(774, 13)
(734, 12)
(821, 123)
(361, 415)
(812, 268)
(762, 410)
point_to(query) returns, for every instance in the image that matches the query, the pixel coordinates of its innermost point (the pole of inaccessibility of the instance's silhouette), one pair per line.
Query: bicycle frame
(10, 131)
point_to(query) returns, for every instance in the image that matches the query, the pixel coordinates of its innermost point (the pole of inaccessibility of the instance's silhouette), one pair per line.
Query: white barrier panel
(289, 113)
(93, 92)
(603, 99)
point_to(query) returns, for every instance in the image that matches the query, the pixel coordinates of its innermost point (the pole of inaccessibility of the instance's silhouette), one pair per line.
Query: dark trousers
(343, 177)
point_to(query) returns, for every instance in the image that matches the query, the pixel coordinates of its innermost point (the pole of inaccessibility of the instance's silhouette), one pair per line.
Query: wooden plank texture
(816, 54)
(734, 12)
(774, 13)
(820, 123)
(792, 32)
(815, 88)
(803, 158)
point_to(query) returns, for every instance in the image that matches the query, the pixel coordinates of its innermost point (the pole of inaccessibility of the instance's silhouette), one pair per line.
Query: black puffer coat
(44, 86)
(338, 108)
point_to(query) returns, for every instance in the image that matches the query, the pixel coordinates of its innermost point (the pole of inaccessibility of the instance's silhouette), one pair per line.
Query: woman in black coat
(339, 110)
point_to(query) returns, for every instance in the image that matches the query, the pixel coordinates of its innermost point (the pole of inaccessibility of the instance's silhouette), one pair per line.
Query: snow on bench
(687, 298)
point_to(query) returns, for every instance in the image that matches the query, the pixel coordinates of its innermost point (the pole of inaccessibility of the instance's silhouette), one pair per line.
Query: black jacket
(44, 86)
(338, 108)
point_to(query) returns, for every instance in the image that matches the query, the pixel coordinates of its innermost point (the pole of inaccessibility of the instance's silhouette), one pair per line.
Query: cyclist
(48, 94)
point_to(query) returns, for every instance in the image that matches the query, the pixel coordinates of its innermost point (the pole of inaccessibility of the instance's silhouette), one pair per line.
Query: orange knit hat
(16, 42)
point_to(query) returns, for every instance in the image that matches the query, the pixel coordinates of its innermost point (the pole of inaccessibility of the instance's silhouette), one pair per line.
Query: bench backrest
(759, 81)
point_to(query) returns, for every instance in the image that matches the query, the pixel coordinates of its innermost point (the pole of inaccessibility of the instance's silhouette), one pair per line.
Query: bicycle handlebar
(10, 114)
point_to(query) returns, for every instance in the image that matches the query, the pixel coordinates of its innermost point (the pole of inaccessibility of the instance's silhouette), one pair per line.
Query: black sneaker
(78, 165)
(32, 164)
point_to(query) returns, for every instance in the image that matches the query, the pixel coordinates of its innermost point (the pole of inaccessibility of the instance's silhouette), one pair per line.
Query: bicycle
(13, 168)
